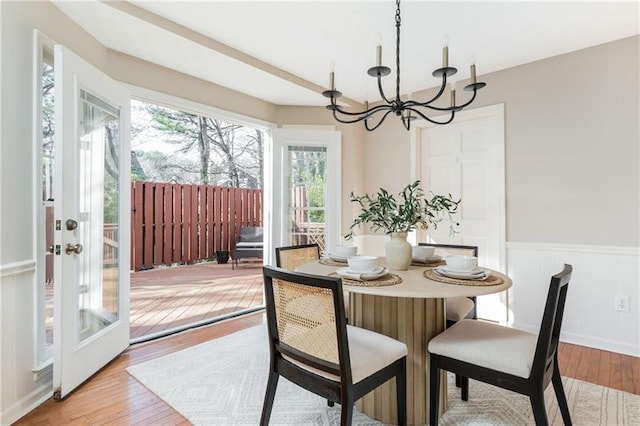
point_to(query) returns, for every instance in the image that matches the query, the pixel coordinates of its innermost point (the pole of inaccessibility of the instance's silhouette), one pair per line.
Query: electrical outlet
(622, 303)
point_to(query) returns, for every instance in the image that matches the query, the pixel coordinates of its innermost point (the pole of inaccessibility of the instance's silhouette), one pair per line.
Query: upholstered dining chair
(311, 344)
(457, 308)
(290, 257)
(505, 357)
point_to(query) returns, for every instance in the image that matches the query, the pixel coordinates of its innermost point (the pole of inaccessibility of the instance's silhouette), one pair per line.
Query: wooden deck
(166, 298)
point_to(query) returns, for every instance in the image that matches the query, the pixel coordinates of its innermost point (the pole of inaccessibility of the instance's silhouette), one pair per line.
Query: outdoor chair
(249, 244)
(505, 357)
(312, 346)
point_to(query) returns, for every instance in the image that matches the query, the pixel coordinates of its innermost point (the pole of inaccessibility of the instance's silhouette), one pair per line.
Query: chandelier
(407, 110)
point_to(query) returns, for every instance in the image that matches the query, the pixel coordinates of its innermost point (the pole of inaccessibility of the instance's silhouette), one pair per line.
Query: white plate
(475, 271)
(483, 274)
(364, 276)
(338, 258)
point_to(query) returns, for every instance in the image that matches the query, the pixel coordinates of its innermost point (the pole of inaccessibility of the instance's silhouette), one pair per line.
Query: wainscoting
(600, 273)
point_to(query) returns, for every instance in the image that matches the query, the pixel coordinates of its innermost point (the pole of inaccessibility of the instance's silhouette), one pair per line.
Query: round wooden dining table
(411, 311)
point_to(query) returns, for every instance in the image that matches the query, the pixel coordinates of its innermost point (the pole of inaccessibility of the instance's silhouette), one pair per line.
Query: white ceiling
(281, 51)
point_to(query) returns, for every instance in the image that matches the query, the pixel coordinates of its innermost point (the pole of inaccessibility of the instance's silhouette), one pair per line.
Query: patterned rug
(222, 382)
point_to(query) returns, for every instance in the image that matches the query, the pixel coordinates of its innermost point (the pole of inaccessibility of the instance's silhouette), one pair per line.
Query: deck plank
(165, 298)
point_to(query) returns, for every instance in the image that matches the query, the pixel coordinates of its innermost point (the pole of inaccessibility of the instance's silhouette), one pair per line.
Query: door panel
(91, 178)
(466, 159)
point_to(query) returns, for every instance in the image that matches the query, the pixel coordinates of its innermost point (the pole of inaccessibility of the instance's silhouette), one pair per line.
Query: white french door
(91, 180)
(306, 187)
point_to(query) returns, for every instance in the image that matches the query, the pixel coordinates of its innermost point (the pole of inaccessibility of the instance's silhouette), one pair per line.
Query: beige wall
(572, 143)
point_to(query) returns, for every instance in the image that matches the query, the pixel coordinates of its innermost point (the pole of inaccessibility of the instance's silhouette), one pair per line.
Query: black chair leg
(464, 384)
(434, 390)
(458, 381)
(346, 408)
(269, 395)
(560, 395)
(401, 394)
(537, 405)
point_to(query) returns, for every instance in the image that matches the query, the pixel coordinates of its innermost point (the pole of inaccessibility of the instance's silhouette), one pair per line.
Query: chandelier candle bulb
(473, 73)
(332, 80)
(445, 56)
(378, 55)
(453, 98)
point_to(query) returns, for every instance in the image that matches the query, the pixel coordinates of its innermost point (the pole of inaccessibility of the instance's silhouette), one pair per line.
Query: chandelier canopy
(407, 110)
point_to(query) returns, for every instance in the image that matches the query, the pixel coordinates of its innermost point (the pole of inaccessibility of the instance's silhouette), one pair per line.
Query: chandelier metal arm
(437, 96)
(382, 95)
(431, 120)
(365, 114)
(384, 116)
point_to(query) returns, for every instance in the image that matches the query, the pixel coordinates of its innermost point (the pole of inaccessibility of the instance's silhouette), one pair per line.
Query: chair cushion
(369, 352)
(458, 308)
(487, 345)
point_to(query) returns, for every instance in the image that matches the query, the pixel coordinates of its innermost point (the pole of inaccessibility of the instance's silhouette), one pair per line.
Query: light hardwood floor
(113, 397)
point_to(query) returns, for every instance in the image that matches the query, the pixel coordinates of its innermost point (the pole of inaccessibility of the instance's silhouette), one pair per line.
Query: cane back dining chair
(311, 344)
(290, 257)
(505, 357)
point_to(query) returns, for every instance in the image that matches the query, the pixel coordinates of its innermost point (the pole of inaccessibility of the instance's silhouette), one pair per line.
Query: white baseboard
(588, 341)
(26, 404)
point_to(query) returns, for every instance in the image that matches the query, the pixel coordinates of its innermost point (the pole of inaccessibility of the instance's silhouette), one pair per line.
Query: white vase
(397, 252)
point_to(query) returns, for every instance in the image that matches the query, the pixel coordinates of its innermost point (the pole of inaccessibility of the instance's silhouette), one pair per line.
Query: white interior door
(306, 185)
(91, 180)
(466, 159)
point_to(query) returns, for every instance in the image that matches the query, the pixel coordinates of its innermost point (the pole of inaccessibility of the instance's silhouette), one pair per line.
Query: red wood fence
(174, 223)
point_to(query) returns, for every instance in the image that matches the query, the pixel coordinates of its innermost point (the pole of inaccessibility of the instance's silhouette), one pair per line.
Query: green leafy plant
(412, 210)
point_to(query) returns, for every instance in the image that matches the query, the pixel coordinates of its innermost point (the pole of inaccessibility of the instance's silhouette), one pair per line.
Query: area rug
(222, 382)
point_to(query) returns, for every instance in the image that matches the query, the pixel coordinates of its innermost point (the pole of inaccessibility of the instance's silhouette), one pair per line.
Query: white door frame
(496, 111)
(281, 139)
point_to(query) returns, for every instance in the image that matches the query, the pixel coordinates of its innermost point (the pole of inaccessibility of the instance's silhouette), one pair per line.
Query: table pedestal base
(412, 321)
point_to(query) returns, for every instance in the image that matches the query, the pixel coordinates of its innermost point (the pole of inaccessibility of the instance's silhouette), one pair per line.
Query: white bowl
(344, 251)
(461, 263)
(423, 251)
(362, 263)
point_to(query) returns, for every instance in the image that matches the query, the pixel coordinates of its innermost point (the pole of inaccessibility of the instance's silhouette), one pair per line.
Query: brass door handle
(73, 248)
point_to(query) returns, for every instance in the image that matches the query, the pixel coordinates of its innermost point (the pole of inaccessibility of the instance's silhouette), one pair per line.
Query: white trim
(585, 340)
(186, 105)
(574, 248)
(26, 404)
(15, 268)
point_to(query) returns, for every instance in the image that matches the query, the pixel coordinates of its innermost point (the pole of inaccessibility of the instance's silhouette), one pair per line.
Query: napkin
(420, 259)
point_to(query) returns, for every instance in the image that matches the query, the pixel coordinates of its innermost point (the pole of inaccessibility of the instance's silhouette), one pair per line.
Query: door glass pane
(98, 204)
(307, 169)
(48, 155)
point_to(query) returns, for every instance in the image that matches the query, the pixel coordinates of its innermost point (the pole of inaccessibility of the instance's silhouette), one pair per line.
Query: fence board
(168, 224)
(173, 223)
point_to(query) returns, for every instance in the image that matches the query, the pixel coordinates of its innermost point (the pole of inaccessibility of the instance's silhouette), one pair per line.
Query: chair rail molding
(601, 273)
(16, 268)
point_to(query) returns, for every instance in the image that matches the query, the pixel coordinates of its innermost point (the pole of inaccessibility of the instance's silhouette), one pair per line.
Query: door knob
(73, 248)
(71, 224)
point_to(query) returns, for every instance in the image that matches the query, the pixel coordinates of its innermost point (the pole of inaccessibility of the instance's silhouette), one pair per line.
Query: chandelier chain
(398, 22)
